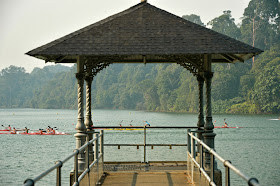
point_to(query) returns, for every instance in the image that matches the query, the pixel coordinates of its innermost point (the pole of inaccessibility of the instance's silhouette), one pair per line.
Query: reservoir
(254, 149)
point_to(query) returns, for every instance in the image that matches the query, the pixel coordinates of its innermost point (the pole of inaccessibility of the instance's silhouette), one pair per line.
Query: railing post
(96, 152)
(58, 173)
(193, 146)
(76, 171)
(201, 155)
(193, 153)
(102, 148)
(227, 174)
(145, 144)
(189, 140)
(29, 182)
(87, 155)
(212, 165)
(188, 148)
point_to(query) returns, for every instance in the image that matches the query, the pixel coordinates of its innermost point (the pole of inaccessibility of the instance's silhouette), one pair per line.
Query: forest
(249, 87)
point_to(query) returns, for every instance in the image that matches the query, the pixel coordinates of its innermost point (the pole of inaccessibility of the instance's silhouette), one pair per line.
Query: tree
(194, 18)
(224, 24)
(260, 23)
(267, 87)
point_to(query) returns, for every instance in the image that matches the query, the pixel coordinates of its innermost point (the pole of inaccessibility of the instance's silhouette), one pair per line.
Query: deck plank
(162, 178)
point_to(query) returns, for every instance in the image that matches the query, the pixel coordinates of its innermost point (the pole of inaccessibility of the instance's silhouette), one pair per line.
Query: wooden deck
(152, 174)
(164, 178)
(147, 174)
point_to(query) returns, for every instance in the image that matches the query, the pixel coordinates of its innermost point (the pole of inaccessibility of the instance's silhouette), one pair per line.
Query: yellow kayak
(122, 129)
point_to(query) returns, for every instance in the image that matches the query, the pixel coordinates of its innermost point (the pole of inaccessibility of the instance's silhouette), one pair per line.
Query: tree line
(250, 87)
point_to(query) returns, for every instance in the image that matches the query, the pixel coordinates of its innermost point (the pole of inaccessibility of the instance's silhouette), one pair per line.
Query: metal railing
(145, 145)
(227, 164)
(98, 154)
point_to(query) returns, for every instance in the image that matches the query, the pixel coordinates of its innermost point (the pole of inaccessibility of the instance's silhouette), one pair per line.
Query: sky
(28, 24)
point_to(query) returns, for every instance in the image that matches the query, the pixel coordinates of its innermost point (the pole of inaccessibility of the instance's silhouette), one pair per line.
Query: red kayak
(219, 127)
(35, 133)
(44, 133)
(5, 130)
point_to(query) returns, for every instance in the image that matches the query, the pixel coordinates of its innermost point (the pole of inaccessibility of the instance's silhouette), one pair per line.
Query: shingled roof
(144, 30)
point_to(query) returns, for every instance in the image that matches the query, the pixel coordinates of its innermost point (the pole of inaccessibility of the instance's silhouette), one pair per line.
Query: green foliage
(245, 108)
(260, 24)
(225, 25)
(194, 18)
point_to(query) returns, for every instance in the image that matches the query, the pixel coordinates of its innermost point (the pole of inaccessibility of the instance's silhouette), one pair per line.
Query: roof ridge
(86, 28)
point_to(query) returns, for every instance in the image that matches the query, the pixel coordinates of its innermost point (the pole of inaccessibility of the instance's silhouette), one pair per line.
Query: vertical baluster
(227, 173)
(102, 147)
(76, 171)
(96, 154)
(58, 173)
(193, 154)
(212, 165)
(144, 143)
(188, 148)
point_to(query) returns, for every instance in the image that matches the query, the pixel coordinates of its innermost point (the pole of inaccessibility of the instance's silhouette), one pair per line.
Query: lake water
(253, 149)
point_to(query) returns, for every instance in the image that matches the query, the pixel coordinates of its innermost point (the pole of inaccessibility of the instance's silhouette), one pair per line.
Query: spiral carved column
(80, 127)
(200, 122)
(88, 120)
(208, 134)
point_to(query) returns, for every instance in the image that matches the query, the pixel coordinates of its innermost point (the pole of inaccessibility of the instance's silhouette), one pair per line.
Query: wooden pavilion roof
(144, 33)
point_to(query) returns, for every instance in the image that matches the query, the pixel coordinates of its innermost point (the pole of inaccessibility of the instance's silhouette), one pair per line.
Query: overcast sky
(28, 24)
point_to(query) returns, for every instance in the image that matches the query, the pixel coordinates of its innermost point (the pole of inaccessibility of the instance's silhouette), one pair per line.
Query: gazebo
(144, 34)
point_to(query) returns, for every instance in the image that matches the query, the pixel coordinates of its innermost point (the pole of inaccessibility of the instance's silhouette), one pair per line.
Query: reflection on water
(253, 149)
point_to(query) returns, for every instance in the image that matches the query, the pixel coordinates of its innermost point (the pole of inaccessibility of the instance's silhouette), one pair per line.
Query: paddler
(14, 131)
(52, 131)
(9, 127)
(225, 123)
(48, 129)
(147, 124)
(26, 130)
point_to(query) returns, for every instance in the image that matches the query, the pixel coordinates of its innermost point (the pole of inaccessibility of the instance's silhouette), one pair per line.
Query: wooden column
(208, 134)
(80, 127)
(88, 120)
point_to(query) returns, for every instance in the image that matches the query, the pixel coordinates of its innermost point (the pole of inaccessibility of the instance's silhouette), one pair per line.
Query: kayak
(122, 129)
(35, 133)
(219, 127)
(44, 133)
(5, 130)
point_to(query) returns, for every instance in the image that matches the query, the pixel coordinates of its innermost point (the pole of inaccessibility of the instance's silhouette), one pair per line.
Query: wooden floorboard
(162, 178)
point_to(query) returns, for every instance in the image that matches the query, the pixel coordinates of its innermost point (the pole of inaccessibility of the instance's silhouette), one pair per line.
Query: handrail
(142, 127)
(227, 164)
(144, 144)
(59, 164)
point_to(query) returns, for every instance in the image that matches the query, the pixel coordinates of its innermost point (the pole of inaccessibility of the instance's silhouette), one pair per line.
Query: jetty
(145, 34)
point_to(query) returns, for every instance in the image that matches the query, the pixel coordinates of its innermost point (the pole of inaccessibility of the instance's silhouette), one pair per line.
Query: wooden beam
(236, 57)
(227, 57)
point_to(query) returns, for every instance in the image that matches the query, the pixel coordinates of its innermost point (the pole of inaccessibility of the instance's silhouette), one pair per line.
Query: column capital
(200, 78)
(88, 78)
(208, 75)
(80, 76)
